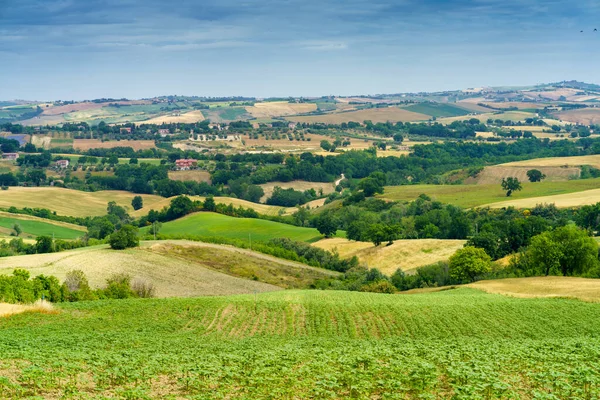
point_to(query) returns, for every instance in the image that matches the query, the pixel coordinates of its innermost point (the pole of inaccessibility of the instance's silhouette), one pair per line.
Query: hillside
(459, 343)
(212, 224)
(34, 226)
(175, 268)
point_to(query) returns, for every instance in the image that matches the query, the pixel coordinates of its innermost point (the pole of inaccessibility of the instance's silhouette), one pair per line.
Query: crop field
(495, 174)
(211, 224)
(514, 116)
(279, 109)
(545, 286)
(175, 268)
(585, 116)
(226, 114)
(478, 195)
(192, 175)
(593, 160)
(185, 117)
(60, 143)
(576, 199)
(33, 227)
(406, 255)
(438, 109)
(326, 187)
(460, 343)
(392, 114)
(86, 144)
(70, 202)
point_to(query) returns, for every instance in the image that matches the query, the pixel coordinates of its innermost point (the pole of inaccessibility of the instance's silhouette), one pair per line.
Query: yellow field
(39, 306)
(70, 202)
(279, 109)
(576, 199)
(404, 254)
(548, 286)
(175, 268)
(505, 116)
(192, 175)
(593, 160)
(86, 144)
(392, 114)
(496, 173)
(41, 141)
(327, 187)
(187, 118)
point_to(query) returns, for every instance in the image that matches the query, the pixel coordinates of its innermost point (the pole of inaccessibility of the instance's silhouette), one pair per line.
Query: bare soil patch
(86, 144)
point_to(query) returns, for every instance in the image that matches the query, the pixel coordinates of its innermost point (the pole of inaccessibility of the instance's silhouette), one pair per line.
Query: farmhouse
(62, 163)
(10, 156)
(164, 132)
(125, 130)
(292, 125)
(185, 164)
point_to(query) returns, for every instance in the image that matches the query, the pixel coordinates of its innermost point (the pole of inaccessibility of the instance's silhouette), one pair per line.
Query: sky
(86, 49)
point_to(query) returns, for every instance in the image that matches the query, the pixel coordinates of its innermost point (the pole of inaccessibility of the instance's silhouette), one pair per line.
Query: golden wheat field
(593, 160)
(391, 114)
(279, 109)
(192, 175)
(577, 199)
(39, 306)
(86, 144)
(402, 254)
(187, 118)
(547, 286)
(495, 174)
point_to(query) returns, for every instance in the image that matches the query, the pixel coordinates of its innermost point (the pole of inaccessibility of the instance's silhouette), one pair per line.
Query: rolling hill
(33, 227)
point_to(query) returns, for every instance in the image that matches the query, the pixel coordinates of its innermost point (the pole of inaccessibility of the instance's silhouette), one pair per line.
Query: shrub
(124, 238)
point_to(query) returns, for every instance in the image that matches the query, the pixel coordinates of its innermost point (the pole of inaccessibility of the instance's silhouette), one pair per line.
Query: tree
(511, 184)
(398, 138)
(124, 238)
(137, 202)
(326, 224)
(468, 263)
(17, 229)
(535, 175)
(36, 176)
(43, 244)
(325, 145)
(254, 193)
(209, 204)
(301, 216)
(180, 206)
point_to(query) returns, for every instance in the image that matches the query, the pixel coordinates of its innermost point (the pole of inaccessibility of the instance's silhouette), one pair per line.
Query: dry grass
(40, 306)
(41, 141)
(279, 109)
(548, 286)
(188, 118)
(172, 274)
(575, 161)
(86, 144)
(392, 114)
(327, 187)
(404, 254)
(576, 199)
(586, 116)
(193, 175)
(69, 108)
(495, 174)
(514, 116)
(70, 202)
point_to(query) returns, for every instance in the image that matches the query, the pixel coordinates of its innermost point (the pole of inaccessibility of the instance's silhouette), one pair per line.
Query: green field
(460, 344)
(438, 109)
(39, 228)
(477, 195)
(226, 113)
(211, 224)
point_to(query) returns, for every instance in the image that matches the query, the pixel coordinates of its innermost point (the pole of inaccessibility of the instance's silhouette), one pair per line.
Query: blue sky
(84, 49)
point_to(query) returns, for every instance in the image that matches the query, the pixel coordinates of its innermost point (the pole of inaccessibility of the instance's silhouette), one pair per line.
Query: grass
(459, 343)
(38, 227)
(406, 255)
(211, 224)
(392, 114)
(478, 195)
(175, 268)
(438, 109)
(69, 202)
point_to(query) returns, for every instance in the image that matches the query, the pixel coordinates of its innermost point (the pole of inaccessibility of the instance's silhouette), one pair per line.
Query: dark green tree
(511, 184)
(535, 175)
(124, 238)
(137, 202)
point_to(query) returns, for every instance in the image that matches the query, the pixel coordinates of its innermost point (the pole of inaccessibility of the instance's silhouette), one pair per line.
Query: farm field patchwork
(86, 144)
(33, 227)
(69, 202)
(218, 225)
(460, 343)
(406, 254)
(392, 114)
(593, 160)
(279, 108)
(438, 109)
(479, 195)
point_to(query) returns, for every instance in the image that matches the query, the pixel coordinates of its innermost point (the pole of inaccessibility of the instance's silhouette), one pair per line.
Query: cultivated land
(406, 255)
(576, 199)
(479, 195)
(279, 108)
(86, 144)
(495, 174)
(187, 118)
(218, 225)
(458, 343)
(586, 116)
(326, 187)
(593, 160)
(175, 268)
(192, 175)
(33, 227)
(392, 114)
(69, 202)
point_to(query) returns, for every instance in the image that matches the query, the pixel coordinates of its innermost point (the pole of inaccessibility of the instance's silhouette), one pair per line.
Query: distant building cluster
(185, 164)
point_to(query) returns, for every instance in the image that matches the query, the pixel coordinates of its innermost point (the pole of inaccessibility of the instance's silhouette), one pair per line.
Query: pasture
(406, 255)
(468, 196)
(69, 202)
(218, 225)
(438, 109)
(175, 268)
(391, 114)
(460, 343)
(33, 227)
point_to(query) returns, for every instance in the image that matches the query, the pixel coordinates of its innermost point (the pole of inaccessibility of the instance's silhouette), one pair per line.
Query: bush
(124, 238)
(468, 263)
